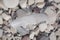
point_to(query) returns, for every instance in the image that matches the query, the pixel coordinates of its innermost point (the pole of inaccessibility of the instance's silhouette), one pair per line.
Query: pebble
(36, 31)
(21, 13)
(58, 32)
(30, 2)
(50, 11)
(4, 38)
(22, 31)
(8, 4)
(29, 20)
(58, 38)
(18, 38)
(44, 38)
(30, 27)
(37, 1)
(58, 6)
(50, 0)
(49, 28)
(6, 17)
(40, 5)
(23, 3)
(2, 6)
(13, 30)
(52, 36)
(9, 34)
(1, 20)
(57, 1)
(31, 35)
(0, 25)
(42, 27)
(34, 38)
(1, 32)
(25, 38)
(1, 11)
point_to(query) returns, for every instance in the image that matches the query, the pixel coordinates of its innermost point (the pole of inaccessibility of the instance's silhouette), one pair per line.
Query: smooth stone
(10, 3)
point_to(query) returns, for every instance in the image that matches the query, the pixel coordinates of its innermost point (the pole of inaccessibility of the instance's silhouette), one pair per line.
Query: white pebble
(49, 28)
(57, 1)
(42, 27)
(30, 2)
(41, 5)
(10, 3)
(6, 17)
(1, 20)
(2, 6)
(50, 11)
(58, 32)
(36, 1)
(1, 11)
(50, 0)
(23, 3)
(36, 32)
(1, 32)
(53, 36)
(31, 35)
(13, 30)
(58, 6)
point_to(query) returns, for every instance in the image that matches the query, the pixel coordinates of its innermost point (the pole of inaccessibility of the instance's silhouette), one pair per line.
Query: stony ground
(30, 20)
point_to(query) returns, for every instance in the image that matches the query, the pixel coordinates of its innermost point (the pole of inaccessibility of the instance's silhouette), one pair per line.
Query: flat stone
(25, 38)
(36, 1)
(1, 11)
(40, 5)
(58, 32)
(57, 1)
(9, 34)
(31, 35)
(34, 38)
(1, 20)
(8, 3)
(50, 0)
(3, 6)
(53, 36)
(18, 38)
(36, 31)
(1, 32)
(49, 11)
(30, 27)
(49, 28)
(4, 37)
(30, 20)
(58, 6)
(44, 38)
(42, 27)
(51, 14)
(30, 2)
(22, 31)
(59, 38)
(21, 13)
(6, 17)
(21, 24)
(23, 3)
(13, 30)
(0, 25)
